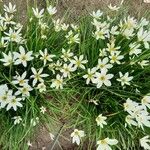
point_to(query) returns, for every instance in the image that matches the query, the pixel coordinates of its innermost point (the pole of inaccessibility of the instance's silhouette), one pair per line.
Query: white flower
(8, 19)
(52, 136)
(67, 69)
(57, 25)
(17, 119)
(37, 76)
(42, 87)
(34, 121)
(25, 90)
(20, 79)
(104, 26)
(58, 82)
(105, 144)
(101, 120)
(103, 64)
(128, 33)
(5, 95)
(113, 8)
(3, 25)
(77, 135)
(72, 38)
(3, 43)
(114, 31)
(51, 10)
(8, 59)
(65, 26)
(97, 14)
(116, 57)
(38, 14)
(102, 52)
(138, 114)
(45, 56)
(130, 106)
(90, 76)
(134, 49)
(44, 37)
(95, 102)
(146, 101)
(144, 63)
(14, 36)
(29, 144)
(146, 1)
(130, 23)
(144, 36)
(102, 78)
(143, 118)
(100, 34)
(97, 24)
(111, 47)
(143, 22)
(74, 27)
(131, 120)
(14, 102)
(145, 142)
(18, 26)
(10, 8)
(58, 65)
(42, 110)
(78, 62)
(22, 57)
(125, 79)
(66, 54)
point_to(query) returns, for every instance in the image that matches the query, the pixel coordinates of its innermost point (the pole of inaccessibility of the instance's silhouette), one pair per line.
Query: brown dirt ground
(76, 8)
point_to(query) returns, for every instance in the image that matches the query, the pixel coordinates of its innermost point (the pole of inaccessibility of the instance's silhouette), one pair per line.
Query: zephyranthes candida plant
(107, 54)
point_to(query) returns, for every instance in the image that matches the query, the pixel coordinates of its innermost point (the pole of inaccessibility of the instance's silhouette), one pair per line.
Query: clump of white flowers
(138, 112)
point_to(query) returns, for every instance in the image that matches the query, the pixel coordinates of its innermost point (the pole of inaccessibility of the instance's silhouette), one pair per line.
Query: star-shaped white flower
(77, 135)
(25, 90)
(145, 142)
(78, 62)
(101, 120)
(103, 64)
(113, 8)
(115, 57)
(45, 56)
(67, 69)
(90, 76)
(17, 119)
(14, 102)
(41, 87)
(125, 79)
(8, 59)
(102, 78)
(58, 82)
(22, 57)
(146, 101)
(20, 79)
(38, 14)
(10, 8)
(51, 10)
(106, 143)
(97, 14)
(37, 76)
